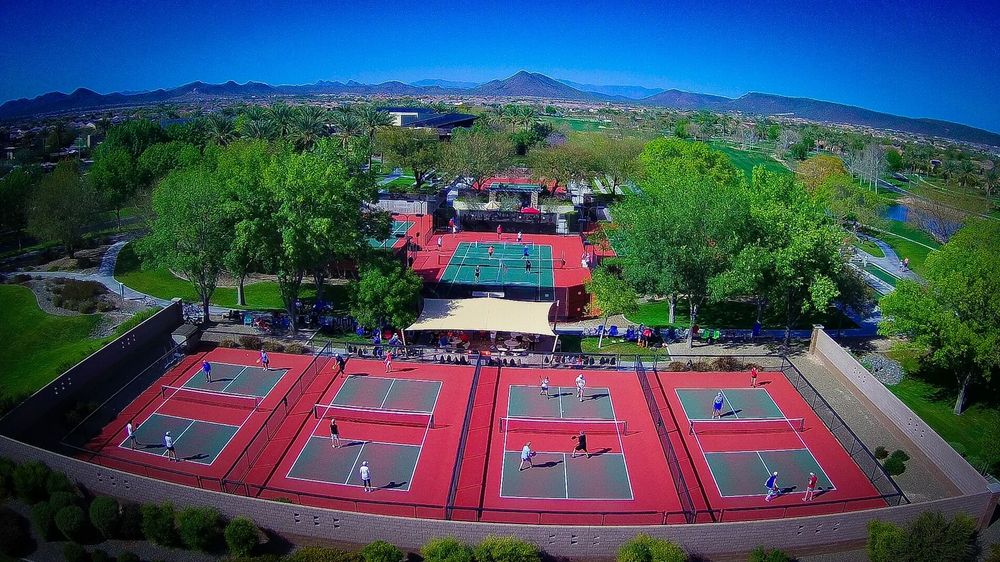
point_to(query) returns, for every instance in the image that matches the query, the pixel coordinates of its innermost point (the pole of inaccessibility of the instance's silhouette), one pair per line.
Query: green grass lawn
(575, 124)
(870, 247)
(909, 242)
(36, 346)
(577, 344)
(163, 284)
(882, 274)
(747, 160)
(730, 315)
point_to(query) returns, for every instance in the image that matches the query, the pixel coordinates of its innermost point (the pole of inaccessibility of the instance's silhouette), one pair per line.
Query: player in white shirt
(366, 476)
(581, 383)
(130, 432)
(526, 454)
(168, 443)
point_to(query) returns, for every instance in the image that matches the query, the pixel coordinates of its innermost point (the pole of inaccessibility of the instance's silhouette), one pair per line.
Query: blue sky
(917, 58)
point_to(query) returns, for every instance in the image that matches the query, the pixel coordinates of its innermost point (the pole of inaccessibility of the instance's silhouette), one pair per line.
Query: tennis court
(383, 421)
(194, 440)
(525, 401)
(239, 380)
(398, 235)
(738, 403)
(506, 268)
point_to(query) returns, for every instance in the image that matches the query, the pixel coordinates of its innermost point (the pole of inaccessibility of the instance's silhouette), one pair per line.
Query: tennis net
(508, 261)
(373, 415)
(565, 426)
(746, 425)
(210, 397)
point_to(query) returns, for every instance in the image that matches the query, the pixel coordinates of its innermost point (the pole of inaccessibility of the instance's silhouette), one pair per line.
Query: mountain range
(521, 85)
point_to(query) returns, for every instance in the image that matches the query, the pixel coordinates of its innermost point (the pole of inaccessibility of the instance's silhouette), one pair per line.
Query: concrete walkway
(892, 263)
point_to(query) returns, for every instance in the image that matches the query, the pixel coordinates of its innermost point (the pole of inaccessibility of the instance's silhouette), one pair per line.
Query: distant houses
(426, 118)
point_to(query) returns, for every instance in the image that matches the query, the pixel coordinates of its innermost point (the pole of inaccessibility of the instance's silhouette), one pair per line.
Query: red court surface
(626, 482)
(412, 465)
(744, 453)
(151, 407)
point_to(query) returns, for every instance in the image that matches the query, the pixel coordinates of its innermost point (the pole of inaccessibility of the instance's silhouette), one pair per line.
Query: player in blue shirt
(717, 405)
(206, 368)
(772, 487)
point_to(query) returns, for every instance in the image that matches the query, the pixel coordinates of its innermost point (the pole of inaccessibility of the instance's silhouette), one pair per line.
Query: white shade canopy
(485, 315)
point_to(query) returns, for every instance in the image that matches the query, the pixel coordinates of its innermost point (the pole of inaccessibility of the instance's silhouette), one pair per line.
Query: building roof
(444, 121)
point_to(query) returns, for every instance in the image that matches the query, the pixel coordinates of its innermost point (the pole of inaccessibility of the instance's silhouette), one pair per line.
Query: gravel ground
(124, 309)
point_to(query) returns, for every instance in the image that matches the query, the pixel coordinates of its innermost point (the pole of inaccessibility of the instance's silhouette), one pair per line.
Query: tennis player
(581, 445)
(489, 251)
(810, 488)
(772, 487)
(717, 405)
(168, 444)
(526, 251)
(130, 432)
(264, 360)
(545, 388)
(477, 274)
(341, 364)
(581, 383)
(334, 434)
(526, 454)
(440, 242)
(388, 361)
(366, 476)
(527, 266)
(753, 377)
(206, 368)
(519, 236)
(499, 231)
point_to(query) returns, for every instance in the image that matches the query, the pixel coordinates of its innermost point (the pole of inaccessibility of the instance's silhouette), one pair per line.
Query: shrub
(322, 554)
(7, 467)
(15, 536)
(900, 454)
(59, 500)
(297, 348)
(727, 363)
(72, 523)
(272, 346)
(128, 556)
(381, 551)
(701, 366)
(73, 552)
(676, 366)
(883, 541)
(994, 555)
(506, 549)
(198, 527)
(44, 519)
(930, 537)
(644, 548)
(228, 343)
(250, 342)
(131, 522)
(446, 549)
(158, 524)
(242, 536)
(75, 290)
(30, 481)
(761, 554)
(881, 452)
(105, 516)
(894, 466)
(101, 556)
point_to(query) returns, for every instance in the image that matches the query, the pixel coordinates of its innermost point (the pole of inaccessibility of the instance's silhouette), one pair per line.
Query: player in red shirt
(810, 487)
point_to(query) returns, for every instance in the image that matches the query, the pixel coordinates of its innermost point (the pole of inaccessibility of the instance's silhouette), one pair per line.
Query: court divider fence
(463, 438)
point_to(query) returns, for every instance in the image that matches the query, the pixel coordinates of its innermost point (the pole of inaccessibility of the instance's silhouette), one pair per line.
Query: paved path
(891, 262)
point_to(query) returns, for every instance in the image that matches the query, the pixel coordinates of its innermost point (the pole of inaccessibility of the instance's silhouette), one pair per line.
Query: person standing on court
(526, 454)
(753, 377)
(519, 236)
(168, 444)
(334, 434)
(772, 487)
(499, 231)
(527, 266)
(264, 360)
(581, 383)
(440, 242)
(366, 476)
(810, 488)
(388, 361)
(545, 388)
(489, 251)
(341, 364)
(451, 225)
(717, 405)
(526, 251)
(130, 433)
(477, 274)
(581, 445)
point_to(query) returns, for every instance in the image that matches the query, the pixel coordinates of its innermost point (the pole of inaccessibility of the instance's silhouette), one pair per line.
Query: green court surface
(399, 229)
(391, 464)
(526, 402)
(740, 403)
(388, 393)
(194, 440)
(505, 268)
(237, 379)
(559, 476)
(743, 473)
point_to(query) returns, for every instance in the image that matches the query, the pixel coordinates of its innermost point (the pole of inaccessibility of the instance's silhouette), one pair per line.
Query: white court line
(621, 446)
(518, 458)
(804, 446)
(387, 391)
(731, 407)
(355, 465)
(565, 475)
(238, 375)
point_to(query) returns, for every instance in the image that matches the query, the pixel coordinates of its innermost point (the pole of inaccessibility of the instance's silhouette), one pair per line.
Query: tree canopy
(61, 206)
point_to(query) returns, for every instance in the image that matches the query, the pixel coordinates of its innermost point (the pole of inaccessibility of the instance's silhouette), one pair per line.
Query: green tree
(187, 235)
(381, 551)
(506, 549)
(15, 197)
(242, 536)
(220, 129)
(565, 163)
(615, 159)
(159, 159)
(348, 126)
(477, 154)
(930, 536)
(117, 176)
(61, 207)
(956, 315)
(611, 295)
(308, 126)
(199, 527)
(386, 293)
(644, 548)
(894, 160)
(417, 149)
(372, 121)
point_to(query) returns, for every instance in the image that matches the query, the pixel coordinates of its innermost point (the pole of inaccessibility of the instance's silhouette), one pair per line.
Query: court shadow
(147, 446)
(600, 452)
(596, 396)
(557, 395)
(763, 383)
(197, 457)
(393, 485)
(346, 444)
(213, 381)
(822, 492)
(731, 413)
(549, 464)
(403, 370)
(788, 489)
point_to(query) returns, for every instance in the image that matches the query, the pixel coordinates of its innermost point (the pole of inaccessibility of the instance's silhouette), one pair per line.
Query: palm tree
(510, 114)
(308, 126)
(371, 121)
(260, 129)
(991, 178)
(526, 116)
(494, 116)
(219, 129)
(282, 115)
(347, 125)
